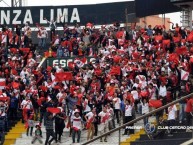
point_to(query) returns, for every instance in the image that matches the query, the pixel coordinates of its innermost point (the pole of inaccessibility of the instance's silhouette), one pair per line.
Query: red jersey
(189, 105)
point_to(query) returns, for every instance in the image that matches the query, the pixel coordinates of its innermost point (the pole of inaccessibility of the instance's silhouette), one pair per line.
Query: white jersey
(104, 116)
(172, 112)
(77, 122)
(90, 115)
(128, 110)
(26, 104)
(117, 102)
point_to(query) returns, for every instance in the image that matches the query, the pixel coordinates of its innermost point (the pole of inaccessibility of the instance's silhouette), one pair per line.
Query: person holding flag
(90, 119)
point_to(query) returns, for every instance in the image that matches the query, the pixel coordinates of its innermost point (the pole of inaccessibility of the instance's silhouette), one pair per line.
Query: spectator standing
(13, 108)
(52, 25)
(77, 124)
(49, 129)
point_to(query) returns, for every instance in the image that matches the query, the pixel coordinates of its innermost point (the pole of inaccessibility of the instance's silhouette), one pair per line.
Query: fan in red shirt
(189, 108)
(174, 82)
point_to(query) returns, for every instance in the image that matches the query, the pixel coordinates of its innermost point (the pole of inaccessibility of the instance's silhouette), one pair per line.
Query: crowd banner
(64, 62)
(82, 14)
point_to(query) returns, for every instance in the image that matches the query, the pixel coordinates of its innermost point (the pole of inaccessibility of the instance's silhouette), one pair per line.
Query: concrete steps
(112, 139)
(14, 133)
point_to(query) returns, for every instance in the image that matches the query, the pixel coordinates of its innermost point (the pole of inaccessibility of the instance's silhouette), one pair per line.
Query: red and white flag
(80, 62)
(2, 83)
(63, 76)
(184, 75)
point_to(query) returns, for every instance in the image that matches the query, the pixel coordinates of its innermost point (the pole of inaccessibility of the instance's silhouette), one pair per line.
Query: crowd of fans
(134, 72)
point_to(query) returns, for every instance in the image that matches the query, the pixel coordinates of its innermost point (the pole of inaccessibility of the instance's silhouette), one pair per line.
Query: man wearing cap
(77, 124)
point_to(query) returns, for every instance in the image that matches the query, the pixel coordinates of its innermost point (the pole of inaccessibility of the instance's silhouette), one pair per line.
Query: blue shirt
(13, 102)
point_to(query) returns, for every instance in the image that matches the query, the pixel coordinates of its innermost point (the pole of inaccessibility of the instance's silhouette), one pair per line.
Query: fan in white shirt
(26, 104)
(172, 110)
(43, 32)
(145, 108)
(23, 73)
(86, 105)
(162, 90)
(89, 115)
(135, 94)
(152, 91)
(103, 127)
(117, 102)
(59, 95)
(128, 110)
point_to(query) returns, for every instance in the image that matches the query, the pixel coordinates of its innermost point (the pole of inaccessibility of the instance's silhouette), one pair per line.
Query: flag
(15, 85)
(57, 87)
(25, 50)
(13, 50)
(155, 103)
(2, 83)
(98, 72)
(80, 62)
(43, 88)
(173, 58)
(71, 65)
(75, 128)
(63, 76)
(144, 94)
(182, 50)
(53, 110)
(184, 75)
(166, 42)
(116, 59)
(115, 71)
(4, 99)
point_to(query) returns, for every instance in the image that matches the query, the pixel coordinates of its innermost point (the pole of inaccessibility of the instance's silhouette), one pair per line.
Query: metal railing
(137, 119)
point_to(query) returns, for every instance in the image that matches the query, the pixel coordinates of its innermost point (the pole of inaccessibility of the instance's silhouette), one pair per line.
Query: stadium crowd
(133, 73)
